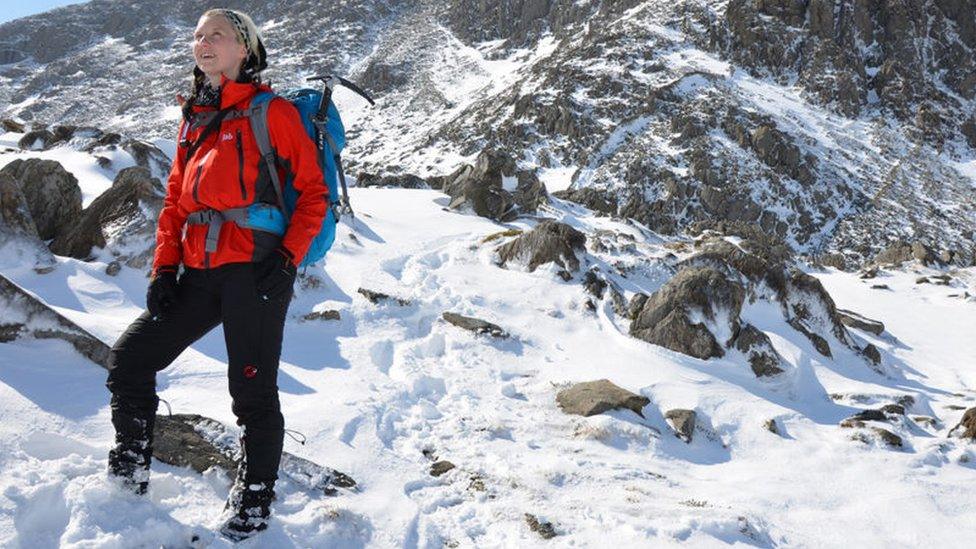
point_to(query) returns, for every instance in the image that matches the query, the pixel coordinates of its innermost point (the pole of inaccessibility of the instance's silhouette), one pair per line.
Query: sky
(14, 9)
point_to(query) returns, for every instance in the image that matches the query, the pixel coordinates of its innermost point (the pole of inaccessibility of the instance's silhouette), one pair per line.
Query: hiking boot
(129, 461)
(249, 505)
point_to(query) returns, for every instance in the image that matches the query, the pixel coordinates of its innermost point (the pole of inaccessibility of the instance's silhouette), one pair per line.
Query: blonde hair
(256, 60)
(244, 27)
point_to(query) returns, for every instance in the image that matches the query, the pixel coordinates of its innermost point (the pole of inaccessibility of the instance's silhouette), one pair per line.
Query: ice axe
(331, 82)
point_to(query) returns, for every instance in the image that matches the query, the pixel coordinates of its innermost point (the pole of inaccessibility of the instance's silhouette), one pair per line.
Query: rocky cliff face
(837, 125)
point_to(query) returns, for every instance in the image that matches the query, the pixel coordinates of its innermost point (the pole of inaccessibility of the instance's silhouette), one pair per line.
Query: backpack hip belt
(258, 217)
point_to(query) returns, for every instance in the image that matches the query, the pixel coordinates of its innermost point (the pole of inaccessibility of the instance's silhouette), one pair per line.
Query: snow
(377, 388)
(92, 179)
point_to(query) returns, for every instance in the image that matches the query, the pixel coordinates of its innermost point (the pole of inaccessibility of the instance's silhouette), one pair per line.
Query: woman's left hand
(276, 274)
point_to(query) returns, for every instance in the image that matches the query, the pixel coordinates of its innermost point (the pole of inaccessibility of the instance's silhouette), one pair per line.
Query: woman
(232, 275)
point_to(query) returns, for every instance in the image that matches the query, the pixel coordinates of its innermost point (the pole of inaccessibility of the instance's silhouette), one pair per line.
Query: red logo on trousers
(250, 371)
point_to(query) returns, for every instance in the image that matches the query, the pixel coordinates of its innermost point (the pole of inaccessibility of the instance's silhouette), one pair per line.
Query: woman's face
(215, 47)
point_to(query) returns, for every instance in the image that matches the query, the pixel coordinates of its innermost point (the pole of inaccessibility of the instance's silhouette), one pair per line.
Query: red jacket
(226, 171)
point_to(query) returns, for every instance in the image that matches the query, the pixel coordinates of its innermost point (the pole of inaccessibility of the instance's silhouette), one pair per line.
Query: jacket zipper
(196, 184)
(240, 165)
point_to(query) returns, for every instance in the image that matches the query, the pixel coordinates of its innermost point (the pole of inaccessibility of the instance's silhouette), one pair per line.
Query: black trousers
(253, 330)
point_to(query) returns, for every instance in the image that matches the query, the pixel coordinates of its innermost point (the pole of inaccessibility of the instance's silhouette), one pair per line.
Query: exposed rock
(113, 268)
(969, 131)
(190, 440)
(322, 315)
(10, 332)
(668, 316)
(148, 156)
(887, 436)
(771, 426)
(481, 187)
(869, 273)
(636, 305)
(404, 181)
(440, 467)
(835, 260)
(966, 428)
(549, 242)
(939, 280)
(128, 211)
(594, 284)
(851, 423)
(683, 423)
(177, 442)
(530, 193)
(893, 409)
(595, 397)
(10, 125)
(501, 234)
(53, 195)
(475, 325)
(375, 297)
(872, 353)
(619, 302)
(899, 252)
(543, 528)
(36, 140)
(594, 199)
(16, 224)
(855, 320)
(38, 320)
(763, 358)
(870, 415)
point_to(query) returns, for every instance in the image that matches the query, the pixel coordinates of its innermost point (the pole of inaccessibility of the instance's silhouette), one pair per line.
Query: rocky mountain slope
(839, 126)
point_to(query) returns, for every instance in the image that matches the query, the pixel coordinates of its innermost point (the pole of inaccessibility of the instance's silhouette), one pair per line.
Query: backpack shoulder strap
(258, 117)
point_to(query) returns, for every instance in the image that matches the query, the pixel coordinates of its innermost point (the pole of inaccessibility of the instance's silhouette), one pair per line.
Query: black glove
(275, 274)
(162, 290)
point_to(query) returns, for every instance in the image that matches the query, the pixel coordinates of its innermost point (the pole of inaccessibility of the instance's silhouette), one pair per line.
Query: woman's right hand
(162, 290)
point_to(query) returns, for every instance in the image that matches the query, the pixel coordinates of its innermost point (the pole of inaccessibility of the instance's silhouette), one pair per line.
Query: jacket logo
(226, 136)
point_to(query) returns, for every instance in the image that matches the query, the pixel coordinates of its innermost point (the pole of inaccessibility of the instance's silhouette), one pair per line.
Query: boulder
(201, 443)
(36, 140)
(128, 210)
(16, 224)
(148, 156)
(595, 397)
(636, 304)
(763, 358)
(887, 437)
(439, 468)
(404, 181)
(322, 315)
(549, 242)
(543, 528)
(871, 353)
(899, 252)
(53, 195)
(530, 193)
(594, 199)
(855, 320)
(480, 187)
(683, 423)
(969, 131)
(11, 125)
(966, 428)
(32, 317)
(475, 325)
(669, 317)
(375, 297)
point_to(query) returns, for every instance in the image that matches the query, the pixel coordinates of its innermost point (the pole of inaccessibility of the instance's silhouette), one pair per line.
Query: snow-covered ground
(382, 390)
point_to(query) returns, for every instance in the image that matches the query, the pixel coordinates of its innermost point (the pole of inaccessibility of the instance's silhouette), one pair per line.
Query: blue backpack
(324, 126)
